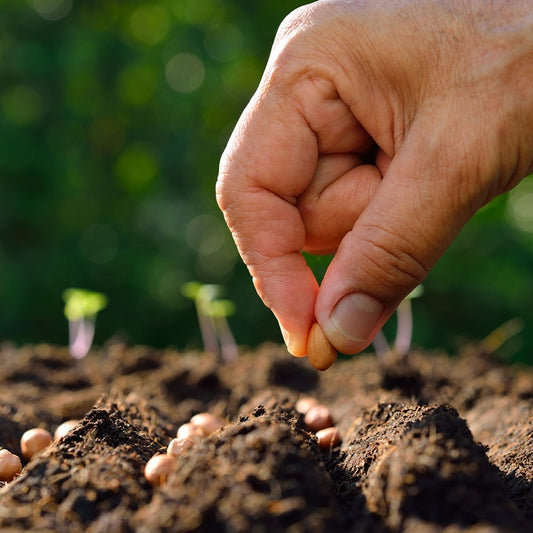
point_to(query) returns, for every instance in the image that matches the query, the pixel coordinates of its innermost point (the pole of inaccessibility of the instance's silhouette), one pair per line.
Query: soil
(434, 443)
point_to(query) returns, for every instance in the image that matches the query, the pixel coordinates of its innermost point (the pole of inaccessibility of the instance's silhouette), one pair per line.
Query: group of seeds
(199, 426)
(32, 442)
(317, 419)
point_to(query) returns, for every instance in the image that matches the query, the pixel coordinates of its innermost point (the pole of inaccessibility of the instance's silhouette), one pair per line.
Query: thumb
(420, 206)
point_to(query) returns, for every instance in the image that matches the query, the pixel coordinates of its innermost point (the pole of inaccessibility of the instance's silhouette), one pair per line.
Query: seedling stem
(81, 308)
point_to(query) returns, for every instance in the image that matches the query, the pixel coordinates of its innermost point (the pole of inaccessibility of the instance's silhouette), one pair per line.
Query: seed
(34, 441)
(320, 352)
(207, 422)
(65, 428)
(10, 465)
(328, 438)
(304, 404)
(177, 446)
(158, 468)
(318, 417)
(190, 431)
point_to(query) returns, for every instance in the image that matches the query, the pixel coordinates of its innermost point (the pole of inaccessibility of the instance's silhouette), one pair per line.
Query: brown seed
(328, 438)
(158, 468)
(34, 441)
(318, 417)
(177, 446)
(207, 422)
(304, 404)
(10, 465)
(190, 431)
(320, 352)
(65, 428)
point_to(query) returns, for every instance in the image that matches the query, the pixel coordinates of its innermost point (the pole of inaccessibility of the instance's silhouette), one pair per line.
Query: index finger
(269, 161)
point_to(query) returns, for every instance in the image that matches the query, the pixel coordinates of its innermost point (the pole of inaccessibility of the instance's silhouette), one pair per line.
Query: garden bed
(438, 444)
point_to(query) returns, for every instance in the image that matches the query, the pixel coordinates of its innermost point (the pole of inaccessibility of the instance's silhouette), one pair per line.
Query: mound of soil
(433, 444)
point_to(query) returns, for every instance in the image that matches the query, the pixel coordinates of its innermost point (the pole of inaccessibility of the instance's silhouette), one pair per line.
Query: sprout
(212, 316)
(404, 328)
(81, 308)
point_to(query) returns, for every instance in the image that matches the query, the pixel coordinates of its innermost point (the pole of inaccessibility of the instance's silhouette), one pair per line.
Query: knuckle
(295, 23)
(395, 263)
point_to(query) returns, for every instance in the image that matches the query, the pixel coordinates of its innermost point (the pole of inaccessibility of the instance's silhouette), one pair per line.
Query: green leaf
(81, 303)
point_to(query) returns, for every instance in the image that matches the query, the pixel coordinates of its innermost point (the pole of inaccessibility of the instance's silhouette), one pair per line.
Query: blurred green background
(113, 116)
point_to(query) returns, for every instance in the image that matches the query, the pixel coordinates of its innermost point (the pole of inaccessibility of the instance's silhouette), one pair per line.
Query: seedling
(81, 308)
(212, 317)
(404, 328)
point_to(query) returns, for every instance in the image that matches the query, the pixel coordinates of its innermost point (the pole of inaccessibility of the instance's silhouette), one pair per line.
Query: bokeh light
(52, 9)
(520, 206)
(136, 169)
(149, 23)
(22, 105)
(185, 72)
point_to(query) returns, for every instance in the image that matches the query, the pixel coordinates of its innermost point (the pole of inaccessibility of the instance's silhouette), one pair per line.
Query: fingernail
(355, 316)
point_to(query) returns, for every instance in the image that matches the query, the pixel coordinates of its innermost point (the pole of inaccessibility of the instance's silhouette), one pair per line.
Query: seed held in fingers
(318, 417)
(65, 428)
(10, 465)
(328, 438)
(320, 352)
(304, 404)
(207, 422)
(158, 468)
(34, 441)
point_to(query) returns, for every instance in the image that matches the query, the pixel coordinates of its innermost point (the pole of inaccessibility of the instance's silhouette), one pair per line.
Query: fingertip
(296, 345)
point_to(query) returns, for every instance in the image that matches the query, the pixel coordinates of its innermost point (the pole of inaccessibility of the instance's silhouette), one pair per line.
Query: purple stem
(81, 334)
(404, 328)
(381, 345)
(208, 332)
(228, 346)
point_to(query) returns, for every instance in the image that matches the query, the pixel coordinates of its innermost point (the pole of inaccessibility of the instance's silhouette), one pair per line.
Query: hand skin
(378, 129)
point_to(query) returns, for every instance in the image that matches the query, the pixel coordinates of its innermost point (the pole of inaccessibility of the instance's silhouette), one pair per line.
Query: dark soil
(435, 444)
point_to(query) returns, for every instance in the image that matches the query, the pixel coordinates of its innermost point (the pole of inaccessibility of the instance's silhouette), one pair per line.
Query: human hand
(378, 129)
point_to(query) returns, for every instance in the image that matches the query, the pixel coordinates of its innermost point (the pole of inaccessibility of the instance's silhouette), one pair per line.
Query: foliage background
(113, 116)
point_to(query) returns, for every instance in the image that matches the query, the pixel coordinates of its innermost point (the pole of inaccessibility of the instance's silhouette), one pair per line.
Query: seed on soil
(320, 352)
(328, 438)
(177, 446)
(190, 431)
(65, 428)
(34, 441)
(158, 468)
(207, 422)
(10, 465)
(318, 417)
(304, 404)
